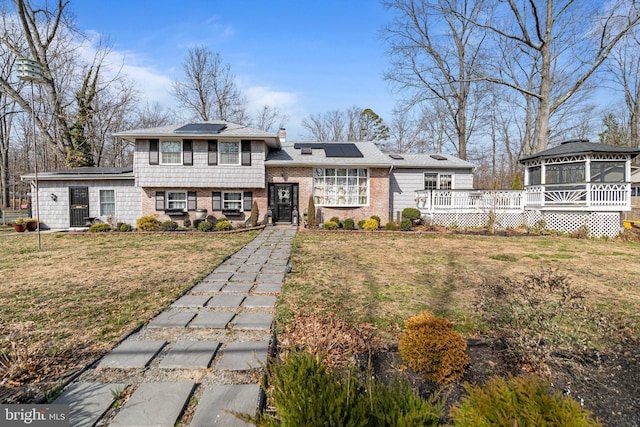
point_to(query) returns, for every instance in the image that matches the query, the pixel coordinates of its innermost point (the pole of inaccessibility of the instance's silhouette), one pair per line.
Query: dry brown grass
(384, 278)
(63, 306)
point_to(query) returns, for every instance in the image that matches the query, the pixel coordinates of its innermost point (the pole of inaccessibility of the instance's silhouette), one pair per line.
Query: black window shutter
(160, 206)
(153, 152)
(248, 200)
(187, 152)
(246, 152)
(192, 201)
(213, 152)
(216, 201)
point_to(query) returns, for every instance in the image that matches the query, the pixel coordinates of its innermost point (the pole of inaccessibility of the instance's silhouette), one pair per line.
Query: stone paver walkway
(199, 359)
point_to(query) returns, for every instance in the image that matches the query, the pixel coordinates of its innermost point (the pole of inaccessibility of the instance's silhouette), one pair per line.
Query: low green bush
(330, 225)
(361, 224)
(205, 226)
(348, 224)
(148, 223)
(391, 226)
(169, 226)
(335, 219)
(100, 228)
(377, 218)
(124, 227)
(187, 223)
(411, 213)
(223, 225)
(518, 401)
(305, 394)
(405, 224)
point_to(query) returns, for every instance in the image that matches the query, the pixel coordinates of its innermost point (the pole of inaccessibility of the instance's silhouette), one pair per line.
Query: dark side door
(283, 199)
(78, 206)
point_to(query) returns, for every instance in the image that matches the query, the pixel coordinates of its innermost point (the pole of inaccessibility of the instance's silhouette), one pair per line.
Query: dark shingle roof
(581, 146)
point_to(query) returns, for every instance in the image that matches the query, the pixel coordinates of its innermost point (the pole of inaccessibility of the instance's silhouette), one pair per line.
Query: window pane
(232, 201)
(107, 203)
(229, 153)
(430, 181)
(607, 171)
(176, 200)
(535, 175)
(445, 182)
(340, 187)
(171, 152)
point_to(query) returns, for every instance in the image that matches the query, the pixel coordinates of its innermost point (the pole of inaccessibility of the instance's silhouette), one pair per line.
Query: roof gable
(581, 146)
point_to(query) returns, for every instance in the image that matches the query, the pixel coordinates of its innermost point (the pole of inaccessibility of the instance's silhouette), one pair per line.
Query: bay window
(341, 186)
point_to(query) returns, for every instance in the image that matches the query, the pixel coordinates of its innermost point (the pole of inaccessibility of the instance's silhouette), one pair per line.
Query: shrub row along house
(218, 169)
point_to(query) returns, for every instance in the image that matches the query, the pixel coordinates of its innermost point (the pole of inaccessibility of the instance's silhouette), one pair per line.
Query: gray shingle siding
(200, 174)
(55, 214)
(404, 183)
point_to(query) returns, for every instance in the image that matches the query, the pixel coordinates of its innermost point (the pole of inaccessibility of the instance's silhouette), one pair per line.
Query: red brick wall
(378, 193)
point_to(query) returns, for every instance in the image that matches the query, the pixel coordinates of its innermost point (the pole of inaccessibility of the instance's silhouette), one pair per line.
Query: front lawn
(67, 304)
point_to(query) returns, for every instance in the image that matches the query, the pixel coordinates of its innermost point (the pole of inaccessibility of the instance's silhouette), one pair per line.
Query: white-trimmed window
(341, 186)
(176, 200)
(171, 152)
(107, 202)
(232, 201)
(607, 171)
(229, 153)
(438, 181)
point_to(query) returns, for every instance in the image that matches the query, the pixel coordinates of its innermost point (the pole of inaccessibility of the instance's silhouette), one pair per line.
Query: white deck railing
(593, 197)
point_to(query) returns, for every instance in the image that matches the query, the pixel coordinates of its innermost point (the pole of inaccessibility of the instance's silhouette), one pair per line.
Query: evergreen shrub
(205, 226)
(370, 225)
(331, 225)
(518, 401)
(431, 347)
(100, 228)
(348, 224)
(411, 213)
(169, 226)
(148, 223)
(391, 226)
(124, 227)
(405, 224)
(224, 225)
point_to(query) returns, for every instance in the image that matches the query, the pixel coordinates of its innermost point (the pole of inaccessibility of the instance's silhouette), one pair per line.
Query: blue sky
(303, 57)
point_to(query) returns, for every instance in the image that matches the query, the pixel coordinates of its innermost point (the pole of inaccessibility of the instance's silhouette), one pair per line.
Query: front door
(283, 199)
(78, 206)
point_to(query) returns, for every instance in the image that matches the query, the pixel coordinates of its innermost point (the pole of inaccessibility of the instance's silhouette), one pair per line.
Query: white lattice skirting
(599, 224)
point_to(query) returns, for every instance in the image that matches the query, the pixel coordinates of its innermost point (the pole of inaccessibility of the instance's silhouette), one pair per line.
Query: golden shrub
(431, 347)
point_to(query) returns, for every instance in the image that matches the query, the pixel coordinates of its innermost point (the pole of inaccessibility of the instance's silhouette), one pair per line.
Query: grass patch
(81, 293)
(385, 279)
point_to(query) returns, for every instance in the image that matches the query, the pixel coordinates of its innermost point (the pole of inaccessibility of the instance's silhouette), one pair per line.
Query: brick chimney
(282, 135)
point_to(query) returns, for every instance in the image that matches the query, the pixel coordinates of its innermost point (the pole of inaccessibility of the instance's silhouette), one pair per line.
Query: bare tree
(624, 72)
(209, 90)
(352, 124)
(269, 119)
(557, 45)
(328, 127)
(152, 115)
(435, 51)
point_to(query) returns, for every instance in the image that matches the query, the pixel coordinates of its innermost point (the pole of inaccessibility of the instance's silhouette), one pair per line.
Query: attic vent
(573, 140)
(305, 150)
(438, 157)
(396, 156)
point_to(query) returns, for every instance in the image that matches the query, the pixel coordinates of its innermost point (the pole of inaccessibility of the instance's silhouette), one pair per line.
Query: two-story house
(217, 169)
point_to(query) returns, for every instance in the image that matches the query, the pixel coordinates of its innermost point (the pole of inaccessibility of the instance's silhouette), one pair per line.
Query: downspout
(390, 218)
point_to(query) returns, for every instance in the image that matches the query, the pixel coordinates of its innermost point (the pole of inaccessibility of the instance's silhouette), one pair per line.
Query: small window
(176, 200)
(232, 201)
(171, 152)
(229, 153)
(435, 181)
(107, 203)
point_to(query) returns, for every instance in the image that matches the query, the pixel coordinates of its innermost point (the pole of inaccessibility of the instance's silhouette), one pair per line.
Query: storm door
(283, 200)
(78, 206)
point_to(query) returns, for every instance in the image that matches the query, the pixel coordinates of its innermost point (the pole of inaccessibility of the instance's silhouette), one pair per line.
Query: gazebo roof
(581, 146)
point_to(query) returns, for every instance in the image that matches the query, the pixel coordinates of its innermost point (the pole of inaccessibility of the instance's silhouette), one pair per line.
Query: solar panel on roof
(342, 150)
(438, 157)
(203, 128)
(396, 156)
